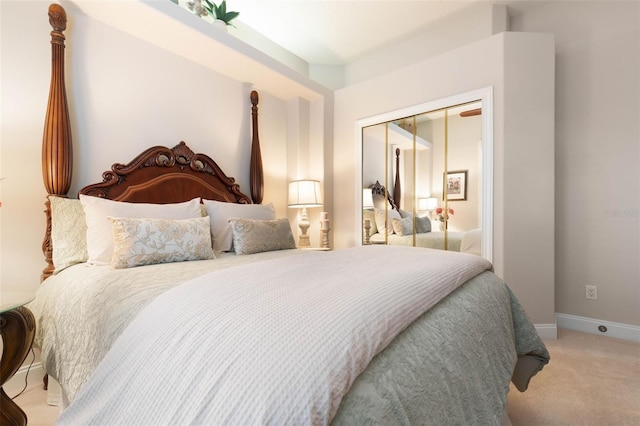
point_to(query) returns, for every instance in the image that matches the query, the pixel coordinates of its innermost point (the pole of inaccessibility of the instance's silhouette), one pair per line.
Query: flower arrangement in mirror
(443, 215)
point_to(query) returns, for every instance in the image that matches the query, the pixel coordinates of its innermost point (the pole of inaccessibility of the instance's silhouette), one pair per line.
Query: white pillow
(381, 219)
(138, 242)
(100, 230)
(220, 212)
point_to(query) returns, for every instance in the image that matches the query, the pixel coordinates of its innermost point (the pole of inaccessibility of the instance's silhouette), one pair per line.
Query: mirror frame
(485, 96)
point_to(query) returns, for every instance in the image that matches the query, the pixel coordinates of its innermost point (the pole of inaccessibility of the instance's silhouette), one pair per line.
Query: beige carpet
(591, 380)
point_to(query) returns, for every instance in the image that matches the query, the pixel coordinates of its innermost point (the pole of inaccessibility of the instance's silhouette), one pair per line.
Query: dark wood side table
(17, 328)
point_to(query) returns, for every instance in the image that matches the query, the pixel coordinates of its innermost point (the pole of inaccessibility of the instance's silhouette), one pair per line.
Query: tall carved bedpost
(397, 190)
(255, 174)
(57, 155)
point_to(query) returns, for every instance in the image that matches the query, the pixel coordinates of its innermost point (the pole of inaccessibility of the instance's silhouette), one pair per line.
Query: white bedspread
(81, 311)
(274, 342)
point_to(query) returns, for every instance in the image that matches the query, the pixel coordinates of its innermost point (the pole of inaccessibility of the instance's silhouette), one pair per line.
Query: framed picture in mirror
(456, 185)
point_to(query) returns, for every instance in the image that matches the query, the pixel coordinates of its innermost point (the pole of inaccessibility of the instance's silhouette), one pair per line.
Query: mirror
(425, 175)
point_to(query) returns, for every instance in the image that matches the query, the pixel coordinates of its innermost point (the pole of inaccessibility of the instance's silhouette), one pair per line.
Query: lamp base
(303, 241)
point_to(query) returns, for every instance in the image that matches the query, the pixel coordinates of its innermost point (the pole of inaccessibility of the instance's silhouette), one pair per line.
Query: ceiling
(337, 32)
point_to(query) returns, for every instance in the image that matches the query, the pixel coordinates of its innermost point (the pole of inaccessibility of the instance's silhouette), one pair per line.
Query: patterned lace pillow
(256, 236)
(100, 230)
(138, 242)
(68, 232)
(402, 226)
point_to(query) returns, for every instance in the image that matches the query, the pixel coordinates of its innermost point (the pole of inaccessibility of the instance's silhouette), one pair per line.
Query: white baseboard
(547, 331)
(590, 325)
(16, 383)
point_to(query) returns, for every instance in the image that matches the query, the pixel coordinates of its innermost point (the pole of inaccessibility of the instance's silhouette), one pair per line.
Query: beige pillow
(256, 236)
(380, 215)
(99, 228)
(68, 232)
(138, 242)
(402, 226)
(220, 212)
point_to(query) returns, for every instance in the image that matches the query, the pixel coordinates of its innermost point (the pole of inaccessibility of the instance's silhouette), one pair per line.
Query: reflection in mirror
(422, 180)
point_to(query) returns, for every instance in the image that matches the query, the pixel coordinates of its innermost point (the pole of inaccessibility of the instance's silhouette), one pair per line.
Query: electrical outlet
(592, 292)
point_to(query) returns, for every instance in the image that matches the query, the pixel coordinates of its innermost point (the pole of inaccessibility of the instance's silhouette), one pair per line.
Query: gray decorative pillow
(423, 225)
(404, 213)
(255, 236)
(220, 212)
(402, 226)
(138, 242)
(68, 232)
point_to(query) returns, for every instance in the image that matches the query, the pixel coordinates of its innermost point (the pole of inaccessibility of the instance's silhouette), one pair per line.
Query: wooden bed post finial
(57, 19)
(57, 155)
(256, 178)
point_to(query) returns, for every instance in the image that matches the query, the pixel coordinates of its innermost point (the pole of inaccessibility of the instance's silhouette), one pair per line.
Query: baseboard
(547, 331)
(16, 383)
(590, 325)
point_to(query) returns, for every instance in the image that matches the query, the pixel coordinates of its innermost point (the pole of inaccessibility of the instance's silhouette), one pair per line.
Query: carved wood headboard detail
(379, 189)
(157, 175)
(164, 175)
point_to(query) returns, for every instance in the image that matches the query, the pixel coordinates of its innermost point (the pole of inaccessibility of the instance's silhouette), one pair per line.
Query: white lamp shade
(305, 193)
(426, 204)
(432, 203)
(367, 199)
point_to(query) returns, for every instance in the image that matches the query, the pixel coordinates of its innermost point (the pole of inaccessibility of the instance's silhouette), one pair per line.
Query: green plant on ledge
(220, 12)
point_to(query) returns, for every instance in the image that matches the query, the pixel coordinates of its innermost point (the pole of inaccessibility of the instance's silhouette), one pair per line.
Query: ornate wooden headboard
(164, 175)
(157, 175)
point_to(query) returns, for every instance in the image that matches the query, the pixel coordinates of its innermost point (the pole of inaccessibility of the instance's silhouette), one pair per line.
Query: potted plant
(219, 13)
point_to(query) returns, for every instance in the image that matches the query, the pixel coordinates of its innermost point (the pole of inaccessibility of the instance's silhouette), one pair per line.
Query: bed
(236, 325)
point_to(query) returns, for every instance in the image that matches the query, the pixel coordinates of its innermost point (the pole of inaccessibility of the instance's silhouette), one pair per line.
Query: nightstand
(17, 328)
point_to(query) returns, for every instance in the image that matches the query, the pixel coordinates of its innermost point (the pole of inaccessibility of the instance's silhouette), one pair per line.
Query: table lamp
(304, 193)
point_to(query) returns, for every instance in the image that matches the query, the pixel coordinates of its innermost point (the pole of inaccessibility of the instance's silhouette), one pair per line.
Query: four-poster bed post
(57, 153)
(256, 174)
(397, 190)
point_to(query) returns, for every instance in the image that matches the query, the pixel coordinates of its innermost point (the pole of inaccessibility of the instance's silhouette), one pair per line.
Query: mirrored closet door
(422, 179)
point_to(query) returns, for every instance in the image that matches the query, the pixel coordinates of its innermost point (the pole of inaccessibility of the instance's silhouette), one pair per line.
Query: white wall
(472, 23)
(502, 61)
(125, 95)
(463, 154)
(597, 154)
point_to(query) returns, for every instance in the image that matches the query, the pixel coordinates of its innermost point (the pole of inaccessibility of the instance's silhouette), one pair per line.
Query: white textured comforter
(275, 342)
(82, 310)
